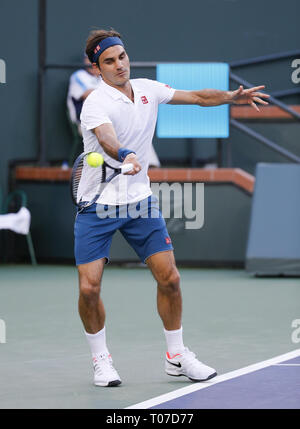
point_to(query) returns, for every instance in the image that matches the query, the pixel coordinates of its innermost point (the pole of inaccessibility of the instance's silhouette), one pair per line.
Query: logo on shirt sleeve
(144, 99)
(168, 240)
(168, 86)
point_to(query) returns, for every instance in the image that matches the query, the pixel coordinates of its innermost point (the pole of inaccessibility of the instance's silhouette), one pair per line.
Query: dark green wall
(172, 30)
(210, 30)
(169, 30)
(207, 30)
(18, 97)
(222, 240)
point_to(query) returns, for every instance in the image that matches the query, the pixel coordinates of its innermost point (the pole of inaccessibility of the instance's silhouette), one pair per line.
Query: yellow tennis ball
(94, 159)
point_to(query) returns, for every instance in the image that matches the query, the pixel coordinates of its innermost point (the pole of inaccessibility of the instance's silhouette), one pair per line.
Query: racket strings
(86, 180)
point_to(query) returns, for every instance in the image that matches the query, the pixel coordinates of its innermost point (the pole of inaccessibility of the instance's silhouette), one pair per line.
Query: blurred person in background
(82, 83)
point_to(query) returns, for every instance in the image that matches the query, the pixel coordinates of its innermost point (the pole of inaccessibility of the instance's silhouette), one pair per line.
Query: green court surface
(230, 320)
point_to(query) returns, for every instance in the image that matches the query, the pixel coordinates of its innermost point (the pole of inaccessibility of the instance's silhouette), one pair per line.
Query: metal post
(285, 92)
(228, 154)
(220, 153)
(265, 58)
(193, 152)
(267, 142)
(41, 83)
(273, 100)
(31, 249)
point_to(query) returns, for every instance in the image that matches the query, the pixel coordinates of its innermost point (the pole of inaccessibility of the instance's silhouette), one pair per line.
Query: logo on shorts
(144, 99)
(168, 240)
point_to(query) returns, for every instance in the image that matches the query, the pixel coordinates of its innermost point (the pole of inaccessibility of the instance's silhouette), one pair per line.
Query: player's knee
(170, 283)
(89, 289)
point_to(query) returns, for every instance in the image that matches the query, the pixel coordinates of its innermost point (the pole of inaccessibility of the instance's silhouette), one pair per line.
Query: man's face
(114, 66)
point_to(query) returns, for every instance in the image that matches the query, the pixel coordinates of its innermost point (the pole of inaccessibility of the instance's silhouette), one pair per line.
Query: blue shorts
(141, 224)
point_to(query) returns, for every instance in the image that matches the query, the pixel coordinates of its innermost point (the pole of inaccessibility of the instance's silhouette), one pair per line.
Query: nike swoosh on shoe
(175, 364)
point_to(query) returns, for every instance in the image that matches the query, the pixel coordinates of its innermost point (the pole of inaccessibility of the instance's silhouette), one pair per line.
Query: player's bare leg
(169, 300)
(92, 313)
(90, 305)
(179, 359)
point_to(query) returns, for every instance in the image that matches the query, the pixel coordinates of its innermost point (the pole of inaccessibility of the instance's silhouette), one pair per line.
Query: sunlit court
(149, 207)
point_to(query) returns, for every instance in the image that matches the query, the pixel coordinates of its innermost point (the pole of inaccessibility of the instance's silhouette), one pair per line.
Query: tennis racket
(92, 180)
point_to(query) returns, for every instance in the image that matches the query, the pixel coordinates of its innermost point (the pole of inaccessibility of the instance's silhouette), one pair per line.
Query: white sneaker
(188, 365)
(104, 372)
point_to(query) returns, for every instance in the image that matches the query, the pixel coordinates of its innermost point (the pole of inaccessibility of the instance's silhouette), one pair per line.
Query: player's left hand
(249, 96)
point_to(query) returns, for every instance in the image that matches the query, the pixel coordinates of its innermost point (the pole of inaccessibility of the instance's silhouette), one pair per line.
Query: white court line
(229, 375)
(287, 364)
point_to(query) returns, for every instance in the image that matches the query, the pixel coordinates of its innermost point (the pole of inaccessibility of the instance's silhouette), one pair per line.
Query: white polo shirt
(134, 124)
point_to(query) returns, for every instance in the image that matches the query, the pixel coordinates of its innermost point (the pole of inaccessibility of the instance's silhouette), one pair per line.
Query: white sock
(174, 341)
(97, 342)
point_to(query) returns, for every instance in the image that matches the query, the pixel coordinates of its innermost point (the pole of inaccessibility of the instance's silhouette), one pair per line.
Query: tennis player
(118, 120)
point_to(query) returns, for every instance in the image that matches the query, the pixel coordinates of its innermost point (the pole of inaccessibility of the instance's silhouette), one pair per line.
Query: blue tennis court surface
(274, 383)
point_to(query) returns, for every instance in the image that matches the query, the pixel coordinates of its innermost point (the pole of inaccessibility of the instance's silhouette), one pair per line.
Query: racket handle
(126, 168)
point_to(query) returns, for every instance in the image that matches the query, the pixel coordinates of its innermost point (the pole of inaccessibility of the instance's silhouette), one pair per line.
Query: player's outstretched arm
(107, 138)
(216, 97)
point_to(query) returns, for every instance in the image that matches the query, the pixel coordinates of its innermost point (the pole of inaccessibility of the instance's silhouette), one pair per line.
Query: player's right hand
(132, 158)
